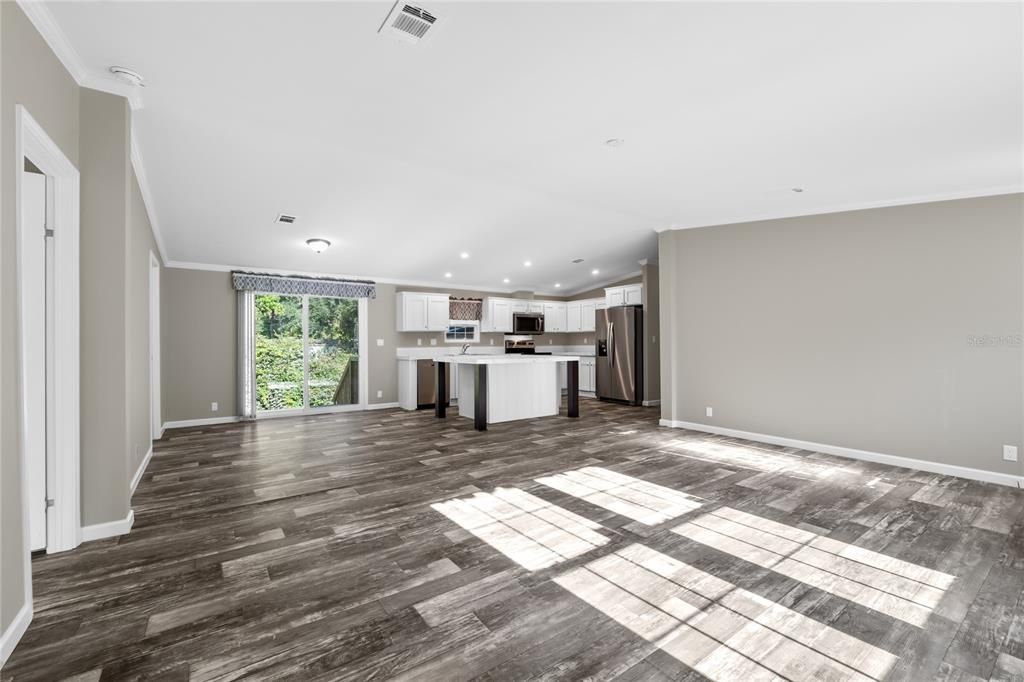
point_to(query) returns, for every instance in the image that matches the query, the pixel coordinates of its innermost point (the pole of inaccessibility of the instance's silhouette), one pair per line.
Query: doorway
(47, 255)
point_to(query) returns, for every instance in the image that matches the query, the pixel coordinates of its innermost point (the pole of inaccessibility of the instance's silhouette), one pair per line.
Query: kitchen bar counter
(501, 388)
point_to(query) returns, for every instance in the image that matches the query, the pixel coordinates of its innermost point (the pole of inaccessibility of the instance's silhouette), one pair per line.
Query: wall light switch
(654, 339)
(380, 394)
(492, 342)
(708, 412)
(419, 342)
(380, 342)
(1010, 453)
(213, 407)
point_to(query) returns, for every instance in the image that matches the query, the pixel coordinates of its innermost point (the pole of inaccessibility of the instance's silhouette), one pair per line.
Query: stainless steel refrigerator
(620, 354)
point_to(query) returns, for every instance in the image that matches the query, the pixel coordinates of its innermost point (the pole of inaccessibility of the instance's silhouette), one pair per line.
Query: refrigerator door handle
(611, 343)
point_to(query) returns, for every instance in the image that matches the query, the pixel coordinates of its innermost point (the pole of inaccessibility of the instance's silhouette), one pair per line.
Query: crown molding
(856, 206)
(596, 285)
(147, 197)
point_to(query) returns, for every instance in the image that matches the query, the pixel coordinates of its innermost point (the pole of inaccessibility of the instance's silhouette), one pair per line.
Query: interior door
(33, 320)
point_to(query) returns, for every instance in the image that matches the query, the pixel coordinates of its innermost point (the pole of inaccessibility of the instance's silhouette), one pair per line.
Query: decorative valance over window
(465, 308)
(297, 286)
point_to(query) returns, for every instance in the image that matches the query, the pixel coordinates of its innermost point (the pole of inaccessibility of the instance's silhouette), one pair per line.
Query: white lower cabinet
(586, 378)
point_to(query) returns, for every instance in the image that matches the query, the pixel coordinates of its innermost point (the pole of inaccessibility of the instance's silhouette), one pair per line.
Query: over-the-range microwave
(527, 323)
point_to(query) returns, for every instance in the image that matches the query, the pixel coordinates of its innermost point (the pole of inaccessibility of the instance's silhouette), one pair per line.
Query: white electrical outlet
(433, 342)
(213, 407)
(492, 342)
(1010, 453)
(419, 342)
(380, 342)
(380, 394)
(708, 412)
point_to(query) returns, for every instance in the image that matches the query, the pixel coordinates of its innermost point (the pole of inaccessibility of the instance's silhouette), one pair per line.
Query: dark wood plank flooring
(307, 548)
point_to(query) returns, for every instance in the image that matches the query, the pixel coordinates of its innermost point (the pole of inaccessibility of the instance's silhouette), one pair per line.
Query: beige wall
(652, 345)
(32, 76)
(853, 329)
(198, 344)
(105, 168)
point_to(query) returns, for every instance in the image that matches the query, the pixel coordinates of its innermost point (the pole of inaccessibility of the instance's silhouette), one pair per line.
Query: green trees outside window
(282, 380)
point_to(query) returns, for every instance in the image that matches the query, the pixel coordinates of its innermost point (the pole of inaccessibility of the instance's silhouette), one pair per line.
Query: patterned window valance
(296, 286)
(465, 308)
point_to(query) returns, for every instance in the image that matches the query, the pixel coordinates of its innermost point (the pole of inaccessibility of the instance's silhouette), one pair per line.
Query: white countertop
(511, 359)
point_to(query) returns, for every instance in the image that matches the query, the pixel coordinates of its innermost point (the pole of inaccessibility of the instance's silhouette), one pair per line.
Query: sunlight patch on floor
(633, 498)
(528, 530)
(720, 630)
(759, 459)
(886, 584)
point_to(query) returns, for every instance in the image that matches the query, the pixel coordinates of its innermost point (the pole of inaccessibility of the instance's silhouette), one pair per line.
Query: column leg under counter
(480, 398)
(441, 392)
(573, 388)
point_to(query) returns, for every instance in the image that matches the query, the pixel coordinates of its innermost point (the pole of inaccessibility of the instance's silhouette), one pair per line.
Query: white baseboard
(142, 469)
(199, 422)
(381, 406)
(110, 529)
(651, 403)
(852, 453)
(12, 635)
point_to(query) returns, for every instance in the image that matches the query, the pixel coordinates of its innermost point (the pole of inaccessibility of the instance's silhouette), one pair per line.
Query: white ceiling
(489, 136)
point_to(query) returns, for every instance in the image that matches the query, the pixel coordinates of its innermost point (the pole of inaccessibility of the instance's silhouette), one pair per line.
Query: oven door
(527, 323)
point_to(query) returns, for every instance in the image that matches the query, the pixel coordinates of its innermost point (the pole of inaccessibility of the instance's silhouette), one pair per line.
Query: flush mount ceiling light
(595, 271)
(615, 142)
(798, 189)
(317, 245)
(448, 275)
(463, 255)
(128, 76)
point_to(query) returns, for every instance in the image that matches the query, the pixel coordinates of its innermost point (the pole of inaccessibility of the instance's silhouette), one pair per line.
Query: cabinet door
(437, 313)
(502, 316)
(554, 317)
(634, 294)
(520, 307)
(573, 319)
(588, 316)
(414, 312)
(615, 297)
(591, 375)
(537, 307)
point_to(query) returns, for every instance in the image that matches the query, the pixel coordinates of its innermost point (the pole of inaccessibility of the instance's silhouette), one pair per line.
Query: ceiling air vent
(286, 219)
(408, 22)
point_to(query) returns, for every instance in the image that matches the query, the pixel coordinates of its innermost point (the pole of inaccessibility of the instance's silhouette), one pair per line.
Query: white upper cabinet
(588, 315)
(520, 306)
(421, 312)
(498, 315)
(554, 316)
(629, 294)
(573, 320)
(536, 306)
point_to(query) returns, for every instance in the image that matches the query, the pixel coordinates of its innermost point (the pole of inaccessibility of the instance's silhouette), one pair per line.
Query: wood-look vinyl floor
(383, 545)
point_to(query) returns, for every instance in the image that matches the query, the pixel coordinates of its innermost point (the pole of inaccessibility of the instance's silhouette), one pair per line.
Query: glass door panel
(333, 351)
(280, 379)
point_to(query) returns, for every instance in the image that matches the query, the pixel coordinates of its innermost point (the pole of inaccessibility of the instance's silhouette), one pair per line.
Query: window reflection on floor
(883, 583)
(631, 497)
(718, 629)
(528, 530)
(760, 459)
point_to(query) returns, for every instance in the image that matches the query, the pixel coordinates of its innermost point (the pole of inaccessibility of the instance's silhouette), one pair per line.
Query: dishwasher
(425, 391)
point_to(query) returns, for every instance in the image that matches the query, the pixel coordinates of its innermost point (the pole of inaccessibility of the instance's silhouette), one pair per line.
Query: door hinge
(47, 233)
(49, 503)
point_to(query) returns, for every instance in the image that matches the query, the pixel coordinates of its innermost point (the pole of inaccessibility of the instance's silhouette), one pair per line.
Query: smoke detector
(408, 22)
(128, 76)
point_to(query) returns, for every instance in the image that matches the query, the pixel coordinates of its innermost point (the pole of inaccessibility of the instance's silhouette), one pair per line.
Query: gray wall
(853, 329)
(198, 344)
(32, 76)
(105, 168)
(652, 332)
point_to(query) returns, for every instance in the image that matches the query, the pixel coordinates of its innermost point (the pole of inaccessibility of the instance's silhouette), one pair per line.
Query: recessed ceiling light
(798, 189)
(128, 76)
(506, 280)
(595, 271)
(448, 275)
(463, 255)
(615, 142)
(527, 264)
(557, 285)
(317, 245)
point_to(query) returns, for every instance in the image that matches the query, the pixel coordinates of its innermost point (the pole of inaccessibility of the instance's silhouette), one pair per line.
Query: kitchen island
(501, 388)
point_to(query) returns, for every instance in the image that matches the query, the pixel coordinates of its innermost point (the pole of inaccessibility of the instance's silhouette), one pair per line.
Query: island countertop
(509, 359)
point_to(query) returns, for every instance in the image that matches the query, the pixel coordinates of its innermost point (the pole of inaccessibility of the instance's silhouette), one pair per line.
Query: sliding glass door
(307, 352)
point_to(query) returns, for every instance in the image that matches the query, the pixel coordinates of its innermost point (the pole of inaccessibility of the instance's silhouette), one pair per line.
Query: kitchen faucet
(465, 349)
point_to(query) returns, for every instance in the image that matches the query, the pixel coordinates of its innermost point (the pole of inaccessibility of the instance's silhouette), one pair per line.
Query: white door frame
(156, 429)
(63, 523)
